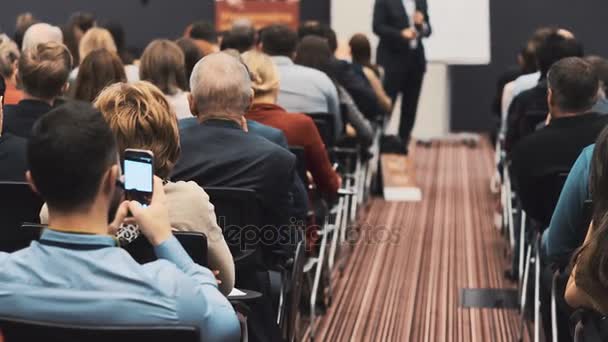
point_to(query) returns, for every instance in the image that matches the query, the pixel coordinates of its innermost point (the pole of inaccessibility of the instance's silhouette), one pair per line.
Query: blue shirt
(86, 280)
(565, 233)
(307, 90)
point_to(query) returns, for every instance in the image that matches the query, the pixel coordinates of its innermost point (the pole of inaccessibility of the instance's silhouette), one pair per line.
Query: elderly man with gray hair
(220, 152)
(39, 34)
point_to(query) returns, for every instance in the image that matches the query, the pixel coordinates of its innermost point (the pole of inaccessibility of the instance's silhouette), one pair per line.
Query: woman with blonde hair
(164, 64)
(140, 117)
(299, 129)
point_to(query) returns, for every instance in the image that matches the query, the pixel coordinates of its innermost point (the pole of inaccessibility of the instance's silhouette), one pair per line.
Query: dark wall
(143, 20)
(512, 23)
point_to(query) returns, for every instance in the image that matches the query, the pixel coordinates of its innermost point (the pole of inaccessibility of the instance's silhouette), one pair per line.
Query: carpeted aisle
(403, 278)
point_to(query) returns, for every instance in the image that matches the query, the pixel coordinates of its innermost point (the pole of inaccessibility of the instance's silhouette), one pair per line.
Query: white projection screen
(461, 28)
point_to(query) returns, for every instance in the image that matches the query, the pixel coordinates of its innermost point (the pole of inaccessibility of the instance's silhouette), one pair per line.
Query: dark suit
(13, 163)
(405, 66)
(19, 119)
(527, 111)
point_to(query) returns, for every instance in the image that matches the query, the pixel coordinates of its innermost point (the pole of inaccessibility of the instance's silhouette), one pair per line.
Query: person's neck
(234, 118)
(85, 222)
(265, 99)
(557, 114)
(27, 96)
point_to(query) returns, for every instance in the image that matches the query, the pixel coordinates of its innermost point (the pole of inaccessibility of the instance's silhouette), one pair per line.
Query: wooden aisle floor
(403, 278)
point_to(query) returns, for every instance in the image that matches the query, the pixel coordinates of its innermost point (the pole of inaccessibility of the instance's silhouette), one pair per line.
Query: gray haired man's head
(41, 33)
(220, 87)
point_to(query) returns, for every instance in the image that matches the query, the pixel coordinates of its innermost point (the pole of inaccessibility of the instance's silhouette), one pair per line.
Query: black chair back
(194, 243)
(21, 330)
(298, 151)
(18, 205)
(326, 124)
(293, 294)
(589, 326)
(549, 186)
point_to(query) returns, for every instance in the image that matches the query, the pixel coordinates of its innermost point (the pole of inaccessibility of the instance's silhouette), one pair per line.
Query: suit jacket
(552, 149)
(220, 153)
(390, 18)
(19, 119)
(13, 158)
(299, 209)
(300, 130)
(526, 112)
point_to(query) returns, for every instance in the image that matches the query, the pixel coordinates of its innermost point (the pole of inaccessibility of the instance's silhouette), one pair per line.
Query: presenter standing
(401, 25)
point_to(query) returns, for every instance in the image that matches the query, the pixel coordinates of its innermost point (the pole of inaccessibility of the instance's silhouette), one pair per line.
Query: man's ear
(550, 98)
(193, 108)
(30, 182)
(65, 88)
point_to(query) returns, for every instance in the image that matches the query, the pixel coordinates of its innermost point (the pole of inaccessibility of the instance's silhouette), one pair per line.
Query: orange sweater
(300, 130)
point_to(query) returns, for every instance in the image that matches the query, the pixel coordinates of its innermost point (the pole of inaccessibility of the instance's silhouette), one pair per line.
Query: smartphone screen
(139, 173)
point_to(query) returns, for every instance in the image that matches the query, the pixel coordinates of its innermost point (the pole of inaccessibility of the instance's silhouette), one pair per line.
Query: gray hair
(39, 34)
(9, 54)
(221, 86)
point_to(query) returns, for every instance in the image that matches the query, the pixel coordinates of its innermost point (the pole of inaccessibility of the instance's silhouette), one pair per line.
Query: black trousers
(408, 82)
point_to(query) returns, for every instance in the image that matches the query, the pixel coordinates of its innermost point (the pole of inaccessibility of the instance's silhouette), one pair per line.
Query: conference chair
(15, 330)
(18, 205)
(291, 295)
(550, 184)
(589, 326)
(301, 166)
(326, 124)
(194, 243)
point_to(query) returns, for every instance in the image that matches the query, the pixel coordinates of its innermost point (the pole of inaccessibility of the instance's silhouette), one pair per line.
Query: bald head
(220, 87)
(41, 33)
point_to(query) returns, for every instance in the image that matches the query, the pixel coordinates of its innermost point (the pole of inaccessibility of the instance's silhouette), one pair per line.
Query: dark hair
(574, 84)
(555, 47)
(528, 59)
(600, 68)
(315, 28)
(314, 52)
(82, 21)
(279, 40)
(598, 176)
(192, 53)
(98, 70)
(239, 38)
(203, 30)
(71, 148)
(163, 64)
(361, 50)
(24, 21)
(118, 34)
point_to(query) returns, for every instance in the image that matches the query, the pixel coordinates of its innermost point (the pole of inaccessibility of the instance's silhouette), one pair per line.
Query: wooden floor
(402, 280)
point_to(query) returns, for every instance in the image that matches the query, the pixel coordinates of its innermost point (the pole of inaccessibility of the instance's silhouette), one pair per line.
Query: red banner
(260, 12)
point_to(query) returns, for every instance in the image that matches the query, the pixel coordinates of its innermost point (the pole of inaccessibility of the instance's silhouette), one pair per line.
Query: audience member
(587, 286)
(43, 73)
(140, 117)
(75, 259)
(78, 24)
(361, 52)
(529, 79)
(303, 89)
(314, 52)
(351, 79)
(98, 70)
(9, 57)
(241, 38)
(572, 92)
(600, 68)
(23, 22)
(192, 54)
(299, 129)
(530, 108)
(204, 36)
(12, 153)
(128, 60)
(41, 33)
(219, 152)
(163, 64)
(94, 39)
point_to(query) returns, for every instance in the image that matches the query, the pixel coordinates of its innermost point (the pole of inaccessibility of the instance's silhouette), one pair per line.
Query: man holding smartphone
(401, 25)
(76, 274)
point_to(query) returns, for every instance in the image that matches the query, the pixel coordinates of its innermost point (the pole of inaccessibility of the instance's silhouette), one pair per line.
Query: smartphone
(138, 169)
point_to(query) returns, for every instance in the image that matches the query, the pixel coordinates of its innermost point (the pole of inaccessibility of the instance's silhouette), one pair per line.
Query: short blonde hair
(263, 71)
(94, 39)
(9, 54)
(140, 117)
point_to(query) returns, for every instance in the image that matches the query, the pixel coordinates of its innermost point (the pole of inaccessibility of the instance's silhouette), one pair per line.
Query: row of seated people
(222, 142)
(551, 129)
